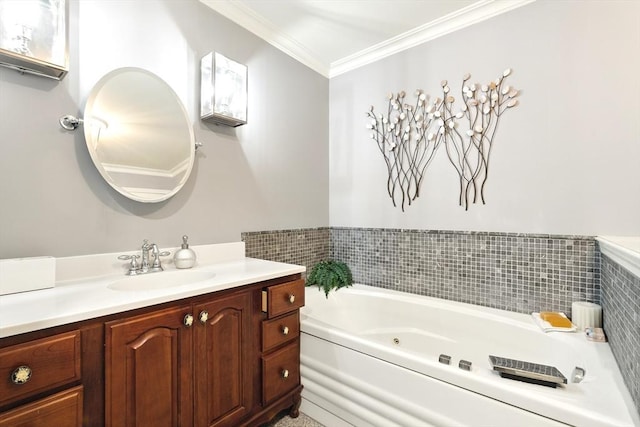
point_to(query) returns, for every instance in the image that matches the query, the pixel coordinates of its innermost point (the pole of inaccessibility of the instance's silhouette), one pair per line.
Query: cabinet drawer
(39, 365)
(60, 410)
(280, 330)
(281, 299)
(280, 372)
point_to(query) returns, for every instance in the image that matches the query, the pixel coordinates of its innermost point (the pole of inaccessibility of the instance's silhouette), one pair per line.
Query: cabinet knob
(285, 330)
(188, 320)
(204, 316)
(21, 375)
(292, 298)
(285, 373)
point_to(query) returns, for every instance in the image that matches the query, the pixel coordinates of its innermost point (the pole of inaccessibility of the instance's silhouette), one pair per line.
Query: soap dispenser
(184, 257)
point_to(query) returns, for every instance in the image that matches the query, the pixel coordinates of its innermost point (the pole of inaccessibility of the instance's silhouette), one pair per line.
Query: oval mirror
(139, 135)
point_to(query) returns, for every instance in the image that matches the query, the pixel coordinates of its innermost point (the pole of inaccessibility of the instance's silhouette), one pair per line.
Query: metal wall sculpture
(409, 136)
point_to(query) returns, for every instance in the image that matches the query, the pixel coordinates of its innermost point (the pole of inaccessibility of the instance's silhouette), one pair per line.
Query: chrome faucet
(156, 265)
(144, 266)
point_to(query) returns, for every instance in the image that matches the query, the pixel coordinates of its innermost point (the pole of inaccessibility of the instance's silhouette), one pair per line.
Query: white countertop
(75, 299)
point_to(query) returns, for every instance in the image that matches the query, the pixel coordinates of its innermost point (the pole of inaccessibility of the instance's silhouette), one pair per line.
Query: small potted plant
(330, 274)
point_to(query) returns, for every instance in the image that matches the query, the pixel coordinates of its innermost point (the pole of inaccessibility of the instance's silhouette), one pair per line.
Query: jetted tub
(370, 356)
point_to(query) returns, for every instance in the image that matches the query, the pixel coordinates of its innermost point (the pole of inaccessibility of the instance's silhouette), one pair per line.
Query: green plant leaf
(330, 274)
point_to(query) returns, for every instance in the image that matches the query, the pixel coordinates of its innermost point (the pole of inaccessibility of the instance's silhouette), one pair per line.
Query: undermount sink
(161, 280)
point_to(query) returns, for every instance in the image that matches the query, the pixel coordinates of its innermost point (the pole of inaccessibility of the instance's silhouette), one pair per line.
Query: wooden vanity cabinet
(215, 360)
(53, 377)
(197, 364)
(36, 368)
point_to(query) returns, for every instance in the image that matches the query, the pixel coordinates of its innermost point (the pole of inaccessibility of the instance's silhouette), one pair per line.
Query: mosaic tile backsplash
(516, 272)
(621, 321)
(302, 247)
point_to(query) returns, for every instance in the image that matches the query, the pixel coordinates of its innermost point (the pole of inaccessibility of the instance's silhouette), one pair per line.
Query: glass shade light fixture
(223, 90)
(33, 37)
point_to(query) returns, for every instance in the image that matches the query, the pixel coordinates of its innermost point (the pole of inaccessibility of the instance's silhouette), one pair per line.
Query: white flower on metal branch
(409, 136)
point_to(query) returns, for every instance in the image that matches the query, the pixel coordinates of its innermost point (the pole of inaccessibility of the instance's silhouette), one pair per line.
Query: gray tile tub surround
(302, 247)
(516, 272)
(621, 321)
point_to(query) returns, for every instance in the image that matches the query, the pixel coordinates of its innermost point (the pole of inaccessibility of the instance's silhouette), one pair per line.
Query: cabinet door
(224, 360)
(149, 370)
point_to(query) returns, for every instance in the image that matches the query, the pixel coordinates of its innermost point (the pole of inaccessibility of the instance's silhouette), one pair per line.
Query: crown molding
(253, 22)
(472, 14)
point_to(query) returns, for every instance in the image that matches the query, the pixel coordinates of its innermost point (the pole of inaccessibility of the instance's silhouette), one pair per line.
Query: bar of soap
(555, 319)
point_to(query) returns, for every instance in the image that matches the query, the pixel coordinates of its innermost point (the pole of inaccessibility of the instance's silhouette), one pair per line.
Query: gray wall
(256, 177)
(564, 162)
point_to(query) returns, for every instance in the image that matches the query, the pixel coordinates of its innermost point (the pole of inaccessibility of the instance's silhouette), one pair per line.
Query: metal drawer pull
(21, 375)
(285, 330)
(285, 373)
(292, 298)
(204, 316)
(188, 320)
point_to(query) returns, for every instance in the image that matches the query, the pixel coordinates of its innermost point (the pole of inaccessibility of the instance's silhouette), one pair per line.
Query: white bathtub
(369, 357)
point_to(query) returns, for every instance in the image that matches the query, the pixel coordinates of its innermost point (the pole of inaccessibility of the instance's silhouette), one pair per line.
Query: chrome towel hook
(69, 122)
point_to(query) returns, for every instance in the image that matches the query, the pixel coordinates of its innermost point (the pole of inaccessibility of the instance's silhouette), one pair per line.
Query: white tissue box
(27, 274)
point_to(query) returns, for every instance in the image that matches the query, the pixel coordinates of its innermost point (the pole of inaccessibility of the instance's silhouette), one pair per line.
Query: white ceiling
(335, 36)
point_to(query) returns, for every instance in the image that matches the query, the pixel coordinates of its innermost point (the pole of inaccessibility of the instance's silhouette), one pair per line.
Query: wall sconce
(33, 37)
(223, 90)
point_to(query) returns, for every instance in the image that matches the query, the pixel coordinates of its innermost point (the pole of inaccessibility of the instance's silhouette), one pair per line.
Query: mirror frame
(94, 96)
